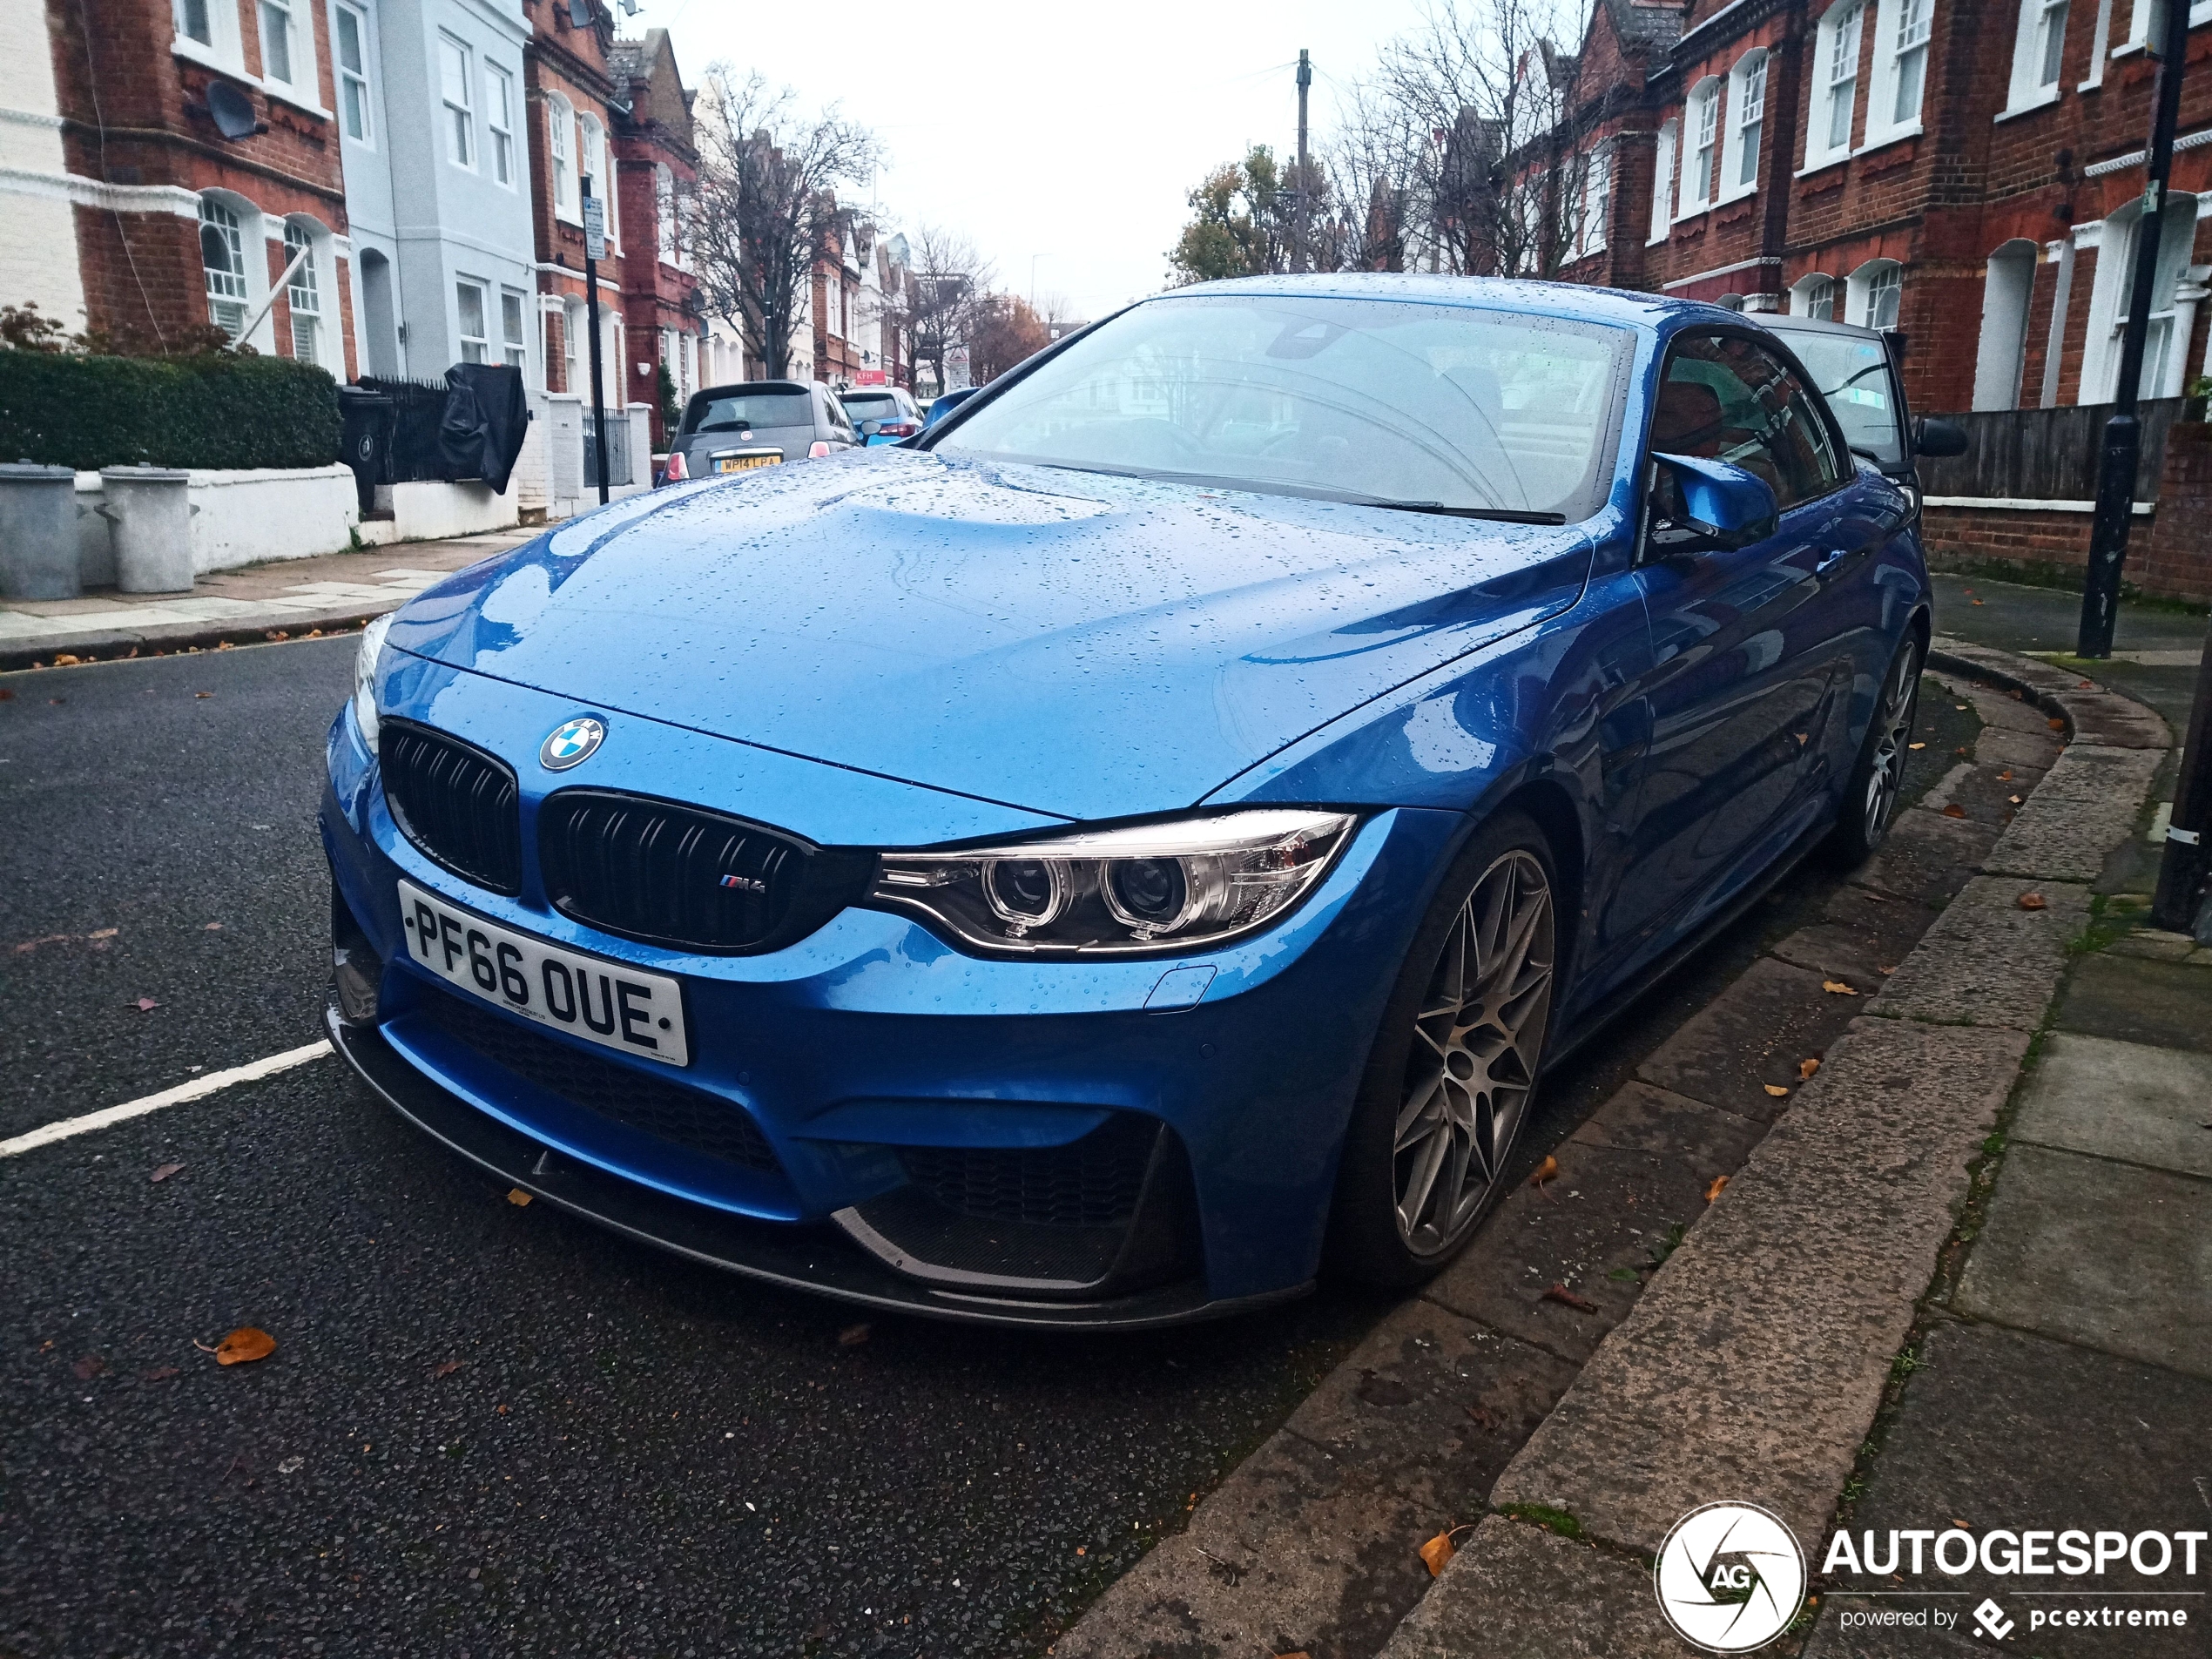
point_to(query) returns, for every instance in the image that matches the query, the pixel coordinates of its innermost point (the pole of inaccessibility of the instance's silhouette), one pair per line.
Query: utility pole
(595, 249)
(2123, 432)
(1299, 207)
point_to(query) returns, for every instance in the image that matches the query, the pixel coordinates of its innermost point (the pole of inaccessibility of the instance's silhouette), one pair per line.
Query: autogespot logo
(570, 743)
(1731, 1577)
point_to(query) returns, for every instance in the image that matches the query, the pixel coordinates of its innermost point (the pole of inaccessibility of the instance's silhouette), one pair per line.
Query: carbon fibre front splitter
(820, 1259)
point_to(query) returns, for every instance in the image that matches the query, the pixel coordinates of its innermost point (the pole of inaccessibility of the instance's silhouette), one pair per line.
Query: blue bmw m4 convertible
(1138, 845)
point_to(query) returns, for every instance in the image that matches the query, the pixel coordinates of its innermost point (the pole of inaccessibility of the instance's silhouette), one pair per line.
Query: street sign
(956, 370)
(594, 228)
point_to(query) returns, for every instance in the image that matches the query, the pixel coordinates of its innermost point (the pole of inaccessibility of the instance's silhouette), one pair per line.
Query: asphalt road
(488, 1429)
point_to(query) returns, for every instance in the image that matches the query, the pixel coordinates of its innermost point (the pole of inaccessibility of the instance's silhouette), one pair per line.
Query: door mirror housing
(1937, 439)
(1714, 505)
(869, 428)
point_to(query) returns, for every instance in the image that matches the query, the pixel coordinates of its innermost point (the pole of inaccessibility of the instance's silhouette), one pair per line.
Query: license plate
(747, 464)
(609, 1003)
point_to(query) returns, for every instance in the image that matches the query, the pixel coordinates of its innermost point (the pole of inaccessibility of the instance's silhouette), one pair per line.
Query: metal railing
(618, 470)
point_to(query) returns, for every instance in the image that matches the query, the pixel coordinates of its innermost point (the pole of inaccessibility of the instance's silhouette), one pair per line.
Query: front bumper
(871, 1043)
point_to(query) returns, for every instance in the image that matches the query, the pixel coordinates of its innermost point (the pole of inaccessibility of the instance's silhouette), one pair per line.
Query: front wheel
(1454, 1066)
(1877, 783)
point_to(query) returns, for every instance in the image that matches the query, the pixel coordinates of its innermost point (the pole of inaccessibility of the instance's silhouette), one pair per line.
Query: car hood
(1079, 645)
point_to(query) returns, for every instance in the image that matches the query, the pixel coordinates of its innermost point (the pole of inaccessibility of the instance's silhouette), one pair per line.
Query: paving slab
(2122, 723)
(1753, 1037)
(2112, 1256)
(1753, 1363)
(2165, 1004)
(1928, 857)
(1863, 941)
(2125, 1101)
(1987, 961)
(2003, 1428)
(2002, 747)
(1515, 1591)
(2086, 805)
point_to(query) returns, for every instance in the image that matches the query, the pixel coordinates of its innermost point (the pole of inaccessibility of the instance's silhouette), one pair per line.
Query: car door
(1746, 667)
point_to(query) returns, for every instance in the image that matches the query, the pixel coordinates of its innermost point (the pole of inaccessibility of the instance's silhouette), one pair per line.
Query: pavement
(284, 598)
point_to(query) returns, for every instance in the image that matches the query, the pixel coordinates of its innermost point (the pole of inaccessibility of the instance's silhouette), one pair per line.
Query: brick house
(199, 157)
(834, 308)
(570, 87)
(656, 163)
(1955, 170)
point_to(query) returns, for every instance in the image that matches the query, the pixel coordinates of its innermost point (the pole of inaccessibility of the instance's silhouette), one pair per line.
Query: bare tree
(767, 210)
(938, 307)
(1501, 177)
(1375, 166)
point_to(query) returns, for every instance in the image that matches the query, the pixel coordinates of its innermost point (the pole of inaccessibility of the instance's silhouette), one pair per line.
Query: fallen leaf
(852, 1336)
(67, 661)
(1837, 987)
(1776, 1091)
(1984, 602)
(1961, 707)
(89, 1367)
(1437, 1553)
(312, 633)
(2005, 776)
(2033, 901)
(165, 1171)
(222, 644)
(103, 933)
(276, 633)
(444, 1368)
(2015, 800)
(161, 1374)
(292, 1465)
(1082, 1549)
(1806, 1067)
(203, 693)
(1566, 1297)
(1961, 1525)
(516, 1196)
(1889, 970)
(6, 695)
(1484, 1417)
(2058, 725)
(1916, 745)
(1298, 1653)
(147, 1005)
(1954, 811)
(2083, 686)
(1545, 1171)
(1960, 750)
(247, 1342)
(212, 928)
(1719, 1185)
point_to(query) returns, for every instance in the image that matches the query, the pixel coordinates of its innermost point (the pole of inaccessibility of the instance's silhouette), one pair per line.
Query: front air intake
(453, 801)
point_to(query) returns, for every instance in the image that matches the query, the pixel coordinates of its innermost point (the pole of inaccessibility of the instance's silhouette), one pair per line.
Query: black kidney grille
(1093, 1182)
(687, 1117)
(680, 876)
(455, 802)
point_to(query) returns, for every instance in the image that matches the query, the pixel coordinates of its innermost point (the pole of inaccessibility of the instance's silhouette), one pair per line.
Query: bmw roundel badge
(572, 743)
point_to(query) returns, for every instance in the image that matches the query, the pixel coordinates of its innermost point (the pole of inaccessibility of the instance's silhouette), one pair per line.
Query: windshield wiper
(1309, 492)
(1503, 515)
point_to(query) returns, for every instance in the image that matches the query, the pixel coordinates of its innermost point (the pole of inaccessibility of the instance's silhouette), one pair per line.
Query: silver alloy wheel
(1476, 1045)
(1894, 732)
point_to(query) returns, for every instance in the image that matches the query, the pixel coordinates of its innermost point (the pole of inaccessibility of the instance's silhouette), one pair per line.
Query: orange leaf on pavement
(1545, 1171)
(165, 1171)
(852, 1336)
(1776, 1091)
(516, 1196)
(247, 1342)
(444, 1368)
(1720, 1186)
(1566, 1297)
(1808, 1065)
(1837, 987)
(1437, 1552)
(1954, 811)
(2033, 901)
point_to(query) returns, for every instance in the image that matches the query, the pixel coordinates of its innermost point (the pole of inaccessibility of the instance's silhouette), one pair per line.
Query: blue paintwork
(1725, 501)
(892, 647)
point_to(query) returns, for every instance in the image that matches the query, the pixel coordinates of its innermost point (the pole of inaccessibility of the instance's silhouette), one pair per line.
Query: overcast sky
(1063, 134)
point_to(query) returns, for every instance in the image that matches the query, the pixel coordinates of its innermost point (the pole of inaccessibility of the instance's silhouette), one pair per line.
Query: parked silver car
(757, 423)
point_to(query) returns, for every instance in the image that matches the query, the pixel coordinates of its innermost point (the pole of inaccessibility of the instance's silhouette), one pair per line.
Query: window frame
(355, 89)
(1892, 19)
(1666, 158)
(515, 350)
(1591, 230)
(592, 133)
(302, 83)
(562, 142)
(1840, 44)
(499, 122)
(460, 119)
(2033, 43)
(1703, 104)
(1747, 80)
(232, 228)
(1863, 287)
(482, 339)
(305, 280)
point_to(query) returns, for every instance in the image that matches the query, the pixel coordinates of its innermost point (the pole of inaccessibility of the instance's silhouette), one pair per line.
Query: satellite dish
(231, 110)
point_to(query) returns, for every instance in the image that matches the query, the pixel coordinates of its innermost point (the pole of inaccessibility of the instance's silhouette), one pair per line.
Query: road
(489, 1429)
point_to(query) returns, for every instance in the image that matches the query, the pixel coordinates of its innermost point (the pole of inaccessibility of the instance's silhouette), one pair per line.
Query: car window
(1726, 399)
(881, 407)
(726, 411)
(839, 421)
(1854, 375)
(1390, 401)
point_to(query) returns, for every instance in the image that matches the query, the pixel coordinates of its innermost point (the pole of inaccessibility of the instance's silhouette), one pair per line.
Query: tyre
(1876, 783)
(1454, 1070)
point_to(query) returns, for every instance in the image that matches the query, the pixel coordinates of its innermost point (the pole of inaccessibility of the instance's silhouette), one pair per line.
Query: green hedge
(212, 411)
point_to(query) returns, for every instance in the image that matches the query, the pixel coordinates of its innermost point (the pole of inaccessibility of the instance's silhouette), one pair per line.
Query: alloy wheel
(1894, 732)
(1476, 1046)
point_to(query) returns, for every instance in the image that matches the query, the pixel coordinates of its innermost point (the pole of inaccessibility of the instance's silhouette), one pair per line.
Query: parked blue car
(1141, 848)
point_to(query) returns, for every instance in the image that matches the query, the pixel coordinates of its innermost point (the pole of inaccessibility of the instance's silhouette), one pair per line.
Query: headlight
(1155, 889)
(365, 678)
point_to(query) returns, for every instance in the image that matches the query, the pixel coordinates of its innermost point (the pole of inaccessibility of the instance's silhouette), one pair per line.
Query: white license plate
(609, 1003)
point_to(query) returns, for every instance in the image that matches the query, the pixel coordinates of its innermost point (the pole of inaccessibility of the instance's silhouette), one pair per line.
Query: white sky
(1066, 134)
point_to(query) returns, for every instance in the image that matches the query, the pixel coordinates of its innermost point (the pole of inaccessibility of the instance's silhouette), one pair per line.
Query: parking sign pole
(2123, 432)
(595, 249)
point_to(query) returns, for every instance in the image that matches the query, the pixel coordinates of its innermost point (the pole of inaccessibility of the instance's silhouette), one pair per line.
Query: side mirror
(1937, 439)
(869, 428)
(1720, 505)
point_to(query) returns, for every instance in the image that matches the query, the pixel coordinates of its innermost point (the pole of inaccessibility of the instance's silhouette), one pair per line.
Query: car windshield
(880, 407)
(1854, 375)
(726, 408)
(1434, 407)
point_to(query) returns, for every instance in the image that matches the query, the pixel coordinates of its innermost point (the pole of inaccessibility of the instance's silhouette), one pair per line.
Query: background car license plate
(609, 1003)
(747, 464)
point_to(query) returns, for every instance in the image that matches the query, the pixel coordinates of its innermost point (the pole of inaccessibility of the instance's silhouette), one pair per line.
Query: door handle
(1835, 556)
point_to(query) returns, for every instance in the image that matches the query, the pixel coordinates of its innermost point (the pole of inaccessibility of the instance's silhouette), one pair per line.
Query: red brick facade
(659, 168)
(565, 68)
(136, 121)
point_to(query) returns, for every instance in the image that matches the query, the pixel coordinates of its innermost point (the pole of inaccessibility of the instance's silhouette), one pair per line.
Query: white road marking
(196, 1090)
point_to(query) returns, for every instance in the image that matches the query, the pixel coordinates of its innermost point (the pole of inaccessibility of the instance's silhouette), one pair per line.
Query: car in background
(754, 424)
(942, 407)
(891, 408)
(1143, 842)
(1861, 373)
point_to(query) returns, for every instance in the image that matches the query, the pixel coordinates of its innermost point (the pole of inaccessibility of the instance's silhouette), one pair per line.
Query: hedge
(215, 411)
